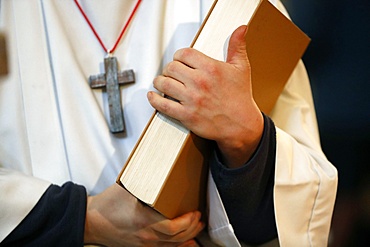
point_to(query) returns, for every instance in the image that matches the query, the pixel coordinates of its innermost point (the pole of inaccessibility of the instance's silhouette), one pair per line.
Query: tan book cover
(168, 169)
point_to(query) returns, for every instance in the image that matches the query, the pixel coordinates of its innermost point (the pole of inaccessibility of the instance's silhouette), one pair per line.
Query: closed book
(167, 168)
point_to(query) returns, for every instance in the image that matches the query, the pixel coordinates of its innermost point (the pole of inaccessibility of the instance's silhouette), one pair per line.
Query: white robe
(53, 127)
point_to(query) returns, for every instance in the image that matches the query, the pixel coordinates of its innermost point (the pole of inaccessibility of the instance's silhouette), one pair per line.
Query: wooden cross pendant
(111, 80)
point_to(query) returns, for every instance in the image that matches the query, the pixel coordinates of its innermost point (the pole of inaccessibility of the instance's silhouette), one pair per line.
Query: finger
(190, 233)
(166, 106)
(178, 71)
(169, 86)
(179, 229)
(177, 225)
(192, 58)
(237, 49)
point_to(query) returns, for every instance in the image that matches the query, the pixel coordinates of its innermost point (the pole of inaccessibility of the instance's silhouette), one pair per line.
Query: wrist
(238, 148)
(90, 234)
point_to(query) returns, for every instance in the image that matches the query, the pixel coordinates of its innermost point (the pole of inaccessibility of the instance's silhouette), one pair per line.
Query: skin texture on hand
(116, 218)
(214, 98)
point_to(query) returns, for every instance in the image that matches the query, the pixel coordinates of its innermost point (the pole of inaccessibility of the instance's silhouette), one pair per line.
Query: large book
(167, 168)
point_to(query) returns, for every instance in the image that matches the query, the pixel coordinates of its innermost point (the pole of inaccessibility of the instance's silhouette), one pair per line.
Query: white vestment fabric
(54, 128)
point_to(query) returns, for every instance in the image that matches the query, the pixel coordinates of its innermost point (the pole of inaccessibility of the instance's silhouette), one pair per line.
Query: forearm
(247, 192)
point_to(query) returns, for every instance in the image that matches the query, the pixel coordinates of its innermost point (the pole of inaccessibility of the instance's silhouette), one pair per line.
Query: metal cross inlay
(111, 80)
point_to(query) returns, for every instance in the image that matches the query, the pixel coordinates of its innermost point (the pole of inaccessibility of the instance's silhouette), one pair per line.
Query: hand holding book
(115, 218)
(214, 98)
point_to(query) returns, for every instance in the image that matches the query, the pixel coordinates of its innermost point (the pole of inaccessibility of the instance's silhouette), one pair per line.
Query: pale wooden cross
(111, 80)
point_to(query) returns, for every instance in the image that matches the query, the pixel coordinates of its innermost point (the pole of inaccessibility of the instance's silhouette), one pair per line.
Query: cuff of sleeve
(19, 194)
(216, 163)
(58, 219)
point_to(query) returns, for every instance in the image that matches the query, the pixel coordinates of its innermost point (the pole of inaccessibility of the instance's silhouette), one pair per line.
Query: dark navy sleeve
(247, 192)
(58, 219)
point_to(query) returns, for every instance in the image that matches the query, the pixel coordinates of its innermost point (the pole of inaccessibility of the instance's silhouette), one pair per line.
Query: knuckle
(198, 100)
(203, 85)
(170, 68)
(183, 52)
(162, 84)
(164, 107)
(178, 54)
(166, 85)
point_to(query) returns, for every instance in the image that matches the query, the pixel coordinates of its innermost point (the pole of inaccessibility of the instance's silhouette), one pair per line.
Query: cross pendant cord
(112, 78)
(96, 33)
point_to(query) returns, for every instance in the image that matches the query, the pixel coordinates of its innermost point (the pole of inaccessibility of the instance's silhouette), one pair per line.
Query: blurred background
(338, 64)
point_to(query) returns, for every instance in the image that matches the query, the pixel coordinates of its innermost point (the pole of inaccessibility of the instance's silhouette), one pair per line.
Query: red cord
(120, 35)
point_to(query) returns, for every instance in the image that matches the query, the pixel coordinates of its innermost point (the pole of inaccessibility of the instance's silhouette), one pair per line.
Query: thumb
(237, 50)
